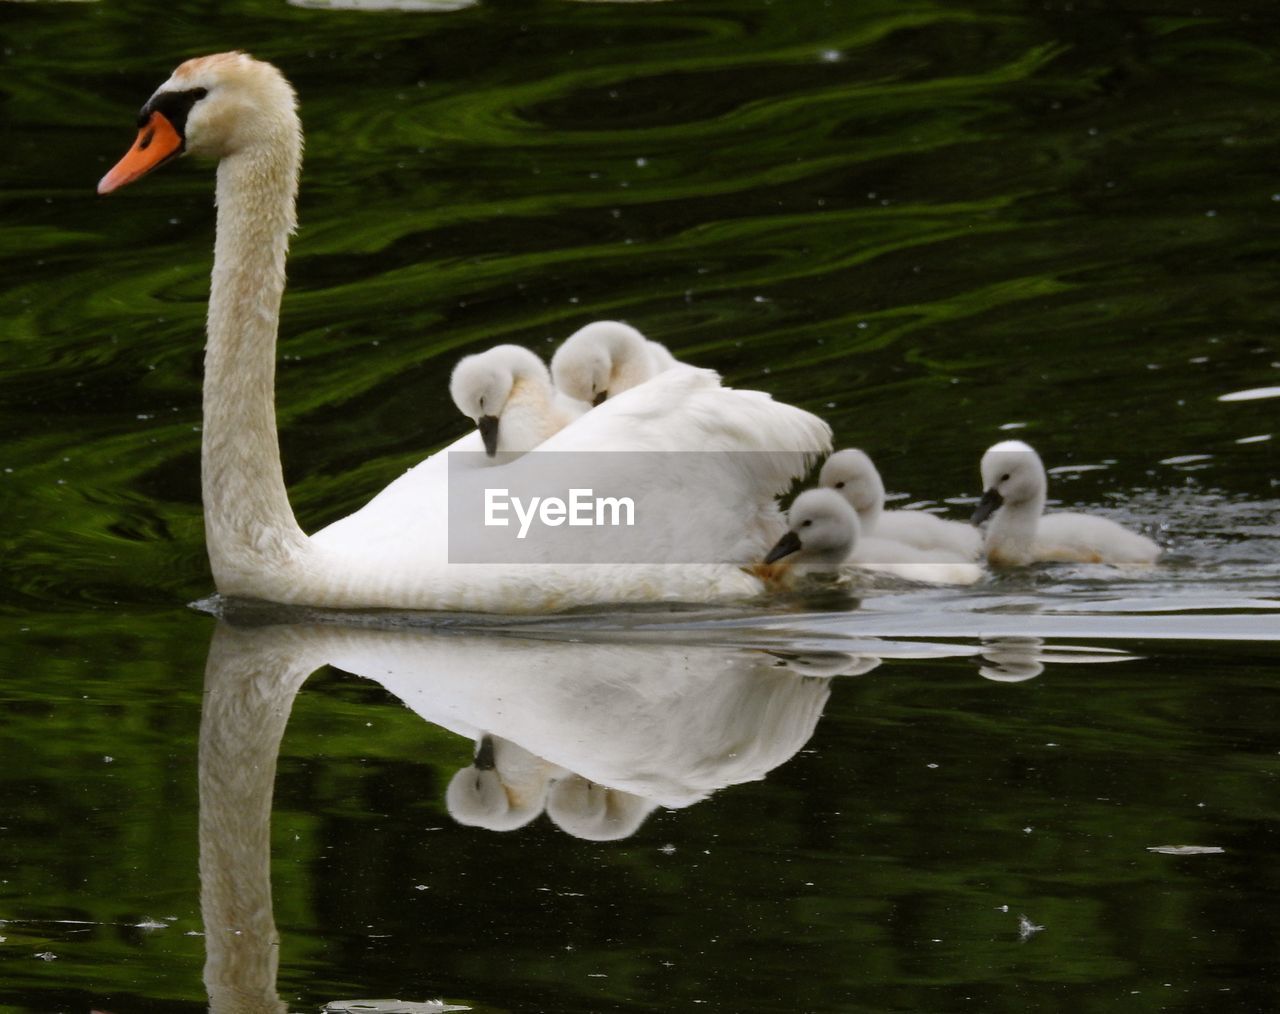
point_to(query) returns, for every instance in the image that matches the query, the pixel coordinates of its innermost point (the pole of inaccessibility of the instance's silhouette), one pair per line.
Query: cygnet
(507, 391)
(823, 534)
(852, 473)
(1021, 533)
(604, 359)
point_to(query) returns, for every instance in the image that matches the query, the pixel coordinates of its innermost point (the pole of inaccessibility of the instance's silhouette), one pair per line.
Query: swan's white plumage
(823, 531)
(393, 552)
(605, 358)
(852, 473)
(1020, 532)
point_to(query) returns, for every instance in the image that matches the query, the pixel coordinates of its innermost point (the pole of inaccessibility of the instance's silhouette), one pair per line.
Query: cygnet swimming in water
(604, 359)
(507, 391)
(852, 473)
(823, 534)
(1020, 532)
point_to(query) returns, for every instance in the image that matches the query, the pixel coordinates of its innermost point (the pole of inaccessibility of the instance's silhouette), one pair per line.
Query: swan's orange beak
(157, 142)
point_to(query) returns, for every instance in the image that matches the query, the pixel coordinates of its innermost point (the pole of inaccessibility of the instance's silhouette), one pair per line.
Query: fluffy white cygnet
(852, 473)
(823, 534)
(507, 391)
(1020, 532)
(595, 812)
(504, 788)
(605, 358)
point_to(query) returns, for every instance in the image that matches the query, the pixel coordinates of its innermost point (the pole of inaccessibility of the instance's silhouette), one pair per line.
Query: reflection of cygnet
(1012, 659)
(587, 810)
(503, 789)
(830, 663)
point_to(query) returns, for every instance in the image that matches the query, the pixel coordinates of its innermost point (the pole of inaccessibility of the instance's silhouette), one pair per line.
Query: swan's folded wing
(687, 409)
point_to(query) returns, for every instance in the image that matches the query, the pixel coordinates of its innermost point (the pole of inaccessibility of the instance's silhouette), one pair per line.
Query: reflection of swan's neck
(247, 515)
(250, 683)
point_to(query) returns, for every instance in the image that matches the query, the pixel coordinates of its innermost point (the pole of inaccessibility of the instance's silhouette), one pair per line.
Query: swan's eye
(482, 411)
(1005, 477)
(805, 524)
(839, 485)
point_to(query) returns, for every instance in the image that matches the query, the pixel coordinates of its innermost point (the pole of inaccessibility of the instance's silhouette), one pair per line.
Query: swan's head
(482, 385)
(1011, 474)
(821, 528)
(604, 358)
(213, 105)
(852, 474)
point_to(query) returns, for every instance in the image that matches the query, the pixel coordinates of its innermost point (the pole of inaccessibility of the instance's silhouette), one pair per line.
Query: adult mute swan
(852, 473)
(605, 358)
(823, 535)
(1020, 532)
(508, 392)
(394, 552)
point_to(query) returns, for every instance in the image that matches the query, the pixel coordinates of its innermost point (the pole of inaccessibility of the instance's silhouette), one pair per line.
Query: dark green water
(935, 224)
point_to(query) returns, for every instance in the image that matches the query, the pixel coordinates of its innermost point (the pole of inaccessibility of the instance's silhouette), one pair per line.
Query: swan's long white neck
(247, 515)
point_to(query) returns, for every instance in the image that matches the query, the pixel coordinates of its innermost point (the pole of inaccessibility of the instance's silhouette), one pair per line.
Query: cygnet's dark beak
(785, 546)
(599, 399)
(489, 433)
(990, 502)
(484, 755)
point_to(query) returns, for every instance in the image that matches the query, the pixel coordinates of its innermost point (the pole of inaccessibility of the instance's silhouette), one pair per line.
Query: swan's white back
(397, 546)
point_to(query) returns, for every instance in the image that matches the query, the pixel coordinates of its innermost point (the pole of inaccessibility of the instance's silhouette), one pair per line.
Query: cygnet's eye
(482, 409)
(840, 485)
(1005, 477)
(806, 524)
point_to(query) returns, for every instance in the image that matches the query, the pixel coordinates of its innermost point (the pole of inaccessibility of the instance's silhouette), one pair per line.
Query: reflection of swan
(393, 552)
(250, 682)
(605, 358)
(855, 476)
(671, 723)
(822, 535)
(507, 391)
(1020, 532)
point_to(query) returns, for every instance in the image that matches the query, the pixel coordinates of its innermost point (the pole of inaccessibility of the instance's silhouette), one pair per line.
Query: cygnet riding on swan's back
(852, 473)
(507, 391)
(1020, 533)
(604, 359)
(394, 552)
(823, 535)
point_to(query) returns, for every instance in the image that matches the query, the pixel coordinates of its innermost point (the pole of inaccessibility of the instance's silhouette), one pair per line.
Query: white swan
(395, 551)
(507, 391)
(1020, 532)
(605, 358)
(853, 474)
(823, 535)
